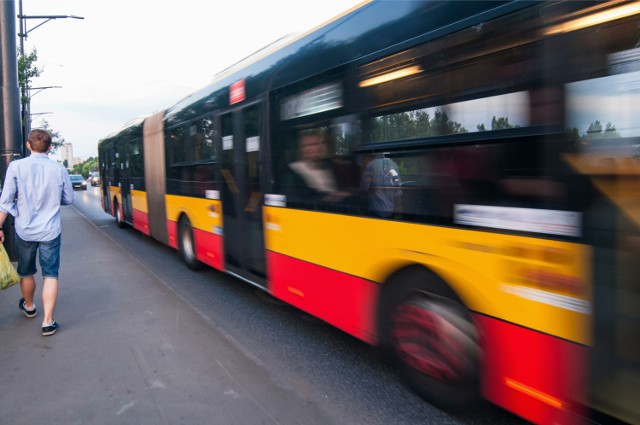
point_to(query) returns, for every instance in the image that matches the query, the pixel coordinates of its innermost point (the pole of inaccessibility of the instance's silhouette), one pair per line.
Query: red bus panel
(537, 376)
(345, 301)
(209, 248)
(141, 221)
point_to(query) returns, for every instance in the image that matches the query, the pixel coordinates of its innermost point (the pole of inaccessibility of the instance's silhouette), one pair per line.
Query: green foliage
(413, 124)
(27, 70)
(56, 139)
(87, 167)
(596, 131)
(573, 135)
(501, 123)
(346, 139)
(594, 128)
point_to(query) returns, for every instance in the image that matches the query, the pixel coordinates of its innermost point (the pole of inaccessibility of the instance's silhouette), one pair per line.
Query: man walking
(34, 189)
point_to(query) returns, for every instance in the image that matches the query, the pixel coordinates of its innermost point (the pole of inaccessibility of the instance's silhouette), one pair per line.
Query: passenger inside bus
(381, 185)
(312, 179)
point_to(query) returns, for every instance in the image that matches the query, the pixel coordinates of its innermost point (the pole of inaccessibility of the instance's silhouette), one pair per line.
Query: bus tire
(186, 244)
(118, 213)
(432, 337)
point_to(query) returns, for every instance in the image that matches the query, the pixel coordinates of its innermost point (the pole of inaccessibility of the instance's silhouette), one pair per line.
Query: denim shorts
(49, 255)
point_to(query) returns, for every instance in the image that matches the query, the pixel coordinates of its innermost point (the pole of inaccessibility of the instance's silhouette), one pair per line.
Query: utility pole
(23, 87)
(25, 90)
(10, 129)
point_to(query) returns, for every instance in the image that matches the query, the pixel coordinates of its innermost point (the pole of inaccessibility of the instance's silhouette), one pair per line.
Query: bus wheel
(186, 244)
(119, 219)
(432, 337)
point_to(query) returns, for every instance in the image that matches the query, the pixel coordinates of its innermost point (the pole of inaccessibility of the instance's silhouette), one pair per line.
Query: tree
(597, 131)
(594, 128)
(27, 70)
(56, 139)
(501, 123)
(414, 124)
(443, 125)
(87, 167)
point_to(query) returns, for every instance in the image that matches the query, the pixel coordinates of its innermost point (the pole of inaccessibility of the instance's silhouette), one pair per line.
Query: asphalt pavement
(130, 351)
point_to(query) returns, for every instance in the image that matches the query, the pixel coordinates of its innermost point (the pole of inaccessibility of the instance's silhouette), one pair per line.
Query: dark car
(94, 179)
(78, 182)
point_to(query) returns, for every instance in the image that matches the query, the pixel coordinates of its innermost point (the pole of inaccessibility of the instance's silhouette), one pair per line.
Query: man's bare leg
(49, 296)
(28, 287)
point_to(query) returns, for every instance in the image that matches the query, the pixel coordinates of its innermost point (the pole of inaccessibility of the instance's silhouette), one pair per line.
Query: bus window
(203, 138)
(489, 113)
(137, 164)
(345, 137)
(309, 177)
(177, 145)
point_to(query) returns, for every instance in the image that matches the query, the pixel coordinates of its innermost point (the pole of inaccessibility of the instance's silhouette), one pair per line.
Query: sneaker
(29, 313)
(50, 329)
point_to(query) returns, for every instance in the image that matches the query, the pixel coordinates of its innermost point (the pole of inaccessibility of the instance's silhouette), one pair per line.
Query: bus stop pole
(10, 125)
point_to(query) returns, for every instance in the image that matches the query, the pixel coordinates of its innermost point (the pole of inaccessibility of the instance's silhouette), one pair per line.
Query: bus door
(242, 196)
(106, 162)
(125, 183)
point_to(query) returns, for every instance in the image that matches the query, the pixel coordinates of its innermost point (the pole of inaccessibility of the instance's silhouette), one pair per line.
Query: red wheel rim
(426, 340)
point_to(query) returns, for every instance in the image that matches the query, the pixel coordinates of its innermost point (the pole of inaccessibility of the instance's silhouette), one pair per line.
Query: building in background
(65, 153)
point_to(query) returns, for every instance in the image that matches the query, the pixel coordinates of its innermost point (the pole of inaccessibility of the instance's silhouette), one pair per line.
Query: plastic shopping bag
(8, 275)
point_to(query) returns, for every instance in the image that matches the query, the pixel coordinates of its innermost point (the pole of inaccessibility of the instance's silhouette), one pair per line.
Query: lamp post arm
(39, 89)
(24, 31)
(37, 26)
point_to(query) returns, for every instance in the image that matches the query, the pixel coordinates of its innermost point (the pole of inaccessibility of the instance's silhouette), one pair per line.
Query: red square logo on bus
(236, 92)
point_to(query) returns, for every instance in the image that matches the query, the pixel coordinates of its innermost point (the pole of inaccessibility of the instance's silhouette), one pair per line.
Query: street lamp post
(30, 94)
(10, 137)
(26, 97)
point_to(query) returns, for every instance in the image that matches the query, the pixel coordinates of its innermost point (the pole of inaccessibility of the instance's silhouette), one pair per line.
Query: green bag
(8, 275)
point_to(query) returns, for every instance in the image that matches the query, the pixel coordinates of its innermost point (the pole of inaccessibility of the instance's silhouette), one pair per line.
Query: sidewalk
(128, 351)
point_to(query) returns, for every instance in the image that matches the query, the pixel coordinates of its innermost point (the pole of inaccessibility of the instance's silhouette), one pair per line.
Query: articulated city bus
(454, 182)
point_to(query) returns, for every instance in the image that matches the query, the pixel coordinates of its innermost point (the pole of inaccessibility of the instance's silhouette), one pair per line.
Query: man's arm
(3, 217)
(7, 199)
(67, 189)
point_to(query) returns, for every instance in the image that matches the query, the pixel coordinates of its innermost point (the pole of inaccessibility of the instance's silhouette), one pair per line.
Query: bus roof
(362, 34)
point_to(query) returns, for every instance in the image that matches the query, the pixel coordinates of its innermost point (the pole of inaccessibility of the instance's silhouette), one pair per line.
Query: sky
(611, 99)
(131, 58)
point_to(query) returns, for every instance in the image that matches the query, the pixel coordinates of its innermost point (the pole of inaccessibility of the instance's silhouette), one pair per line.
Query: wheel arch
(182, 214)
(415, 283)
(450, 276)
(113, 196)
(394, 284)
(115, 203)
(178, 207)
(190, 255)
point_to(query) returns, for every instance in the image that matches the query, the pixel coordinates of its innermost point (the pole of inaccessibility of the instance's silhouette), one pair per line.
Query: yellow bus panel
(204, 214)
(536, 283)
(139, 201)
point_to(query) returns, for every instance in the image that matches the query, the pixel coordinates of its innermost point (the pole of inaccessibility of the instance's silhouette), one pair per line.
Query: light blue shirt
(381, 182)
(41, 186)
